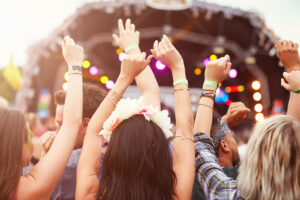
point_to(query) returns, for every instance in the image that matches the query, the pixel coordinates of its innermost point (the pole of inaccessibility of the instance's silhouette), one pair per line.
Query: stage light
(220, 84)
(197, 71)
(228, 89)
(258, 107)
(259, 117)
(250, 60)
(160, 66)
(205, 61)
(241, 88)
(104, 79)
(213, 57)
(109, 84)
(94, 70)
(233, 73)
(237, 88)
(119, 51)
(86, 64)
(228, 102)
(257, 96)
(256, 85)
(121, 56)
(219, 50)
(65, 86)
(67, 78)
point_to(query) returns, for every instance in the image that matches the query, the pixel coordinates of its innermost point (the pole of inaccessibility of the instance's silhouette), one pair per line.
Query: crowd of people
(106, 147)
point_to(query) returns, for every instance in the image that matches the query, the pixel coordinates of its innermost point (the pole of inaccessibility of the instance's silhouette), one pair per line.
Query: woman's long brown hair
(13, 134)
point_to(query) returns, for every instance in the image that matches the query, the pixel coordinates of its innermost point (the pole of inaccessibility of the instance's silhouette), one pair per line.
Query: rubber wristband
(181, 80)
(131, 47)
(296, 91)
(211, 83)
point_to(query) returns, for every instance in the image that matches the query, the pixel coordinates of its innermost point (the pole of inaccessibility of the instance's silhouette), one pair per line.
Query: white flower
(126, 108)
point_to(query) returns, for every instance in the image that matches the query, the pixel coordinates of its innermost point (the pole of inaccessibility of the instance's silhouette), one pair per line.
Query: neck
(224, 161)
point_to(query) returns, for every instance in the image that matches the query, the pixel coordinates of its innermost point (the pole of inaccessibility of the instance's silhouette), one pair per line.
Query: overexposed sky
(23, 22)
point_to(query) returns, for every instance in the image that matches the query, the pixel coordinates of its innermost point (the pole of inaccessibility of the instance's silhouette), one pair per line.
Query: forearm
(293, 106)
(204, 114)
(147, 84)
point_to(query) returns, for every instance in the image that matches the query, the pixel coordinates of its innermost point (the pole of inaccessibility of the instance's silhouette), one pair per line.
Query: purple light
(160, 66)
(94, 70)
(205, 61)
(109, 84)
(121, 56)
(233, 73)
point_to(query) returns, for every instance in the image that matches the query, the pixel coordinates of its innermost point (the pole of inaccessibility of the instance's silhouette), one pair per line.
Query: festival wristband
(131, 47)
(74, 67)
(211, 83)
(181, 80)
(296, 91)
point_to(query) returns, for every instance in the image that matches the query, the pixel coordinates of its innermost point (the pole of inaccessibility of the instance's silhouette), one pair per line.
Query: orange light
(197, 71)
(241, 88)
(119, 51)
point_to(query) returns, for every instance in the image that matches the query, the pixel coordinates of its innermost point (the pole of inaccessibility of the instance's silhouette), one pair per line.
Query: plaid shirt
(215, 183)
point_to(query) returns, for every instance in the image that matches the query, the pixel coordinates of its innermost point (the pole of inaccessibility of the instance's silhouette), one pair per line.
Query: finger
(161, 47)
(149, 58)
(290, 44)
(132, 28)
(120, 25)
(285, 85)
(227, 68)
(153, 53)
(296, 46)
(286, 76)
(128, 25)
(168, 42)
(116, 38)
(155, 47)
(142, 56)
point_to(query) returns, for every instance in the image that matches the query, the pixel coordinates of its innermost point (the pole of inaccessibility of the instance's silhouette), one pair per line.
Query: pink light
(160, 66)
(121, 56)
(233, 73)
(205, 61)
(109, 84)
(94, 70)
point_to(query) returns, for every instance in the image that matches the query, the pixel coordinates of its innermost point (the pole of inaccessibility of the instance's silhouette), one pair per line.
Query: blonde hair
(271, 168)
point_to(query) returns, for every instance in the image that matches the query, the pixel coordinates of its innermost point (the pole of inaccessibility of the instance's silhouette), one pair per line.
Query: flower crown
(126, 108)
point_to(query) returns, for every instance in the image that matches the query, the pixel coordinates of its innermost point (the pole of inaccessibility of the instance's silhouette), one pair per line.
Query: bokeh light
(67, 78)
(241, 88)
(257, 96)
(213, 57)
(86, 64)
(104, 79)
(197, 71)
(259, 117)
(205, 61)
(233, 73)
(258, 107)
(121, 56)
(94, 70)
(256, 85)
(109, 84)
(119, 51)
(160, 66)
(65, 86)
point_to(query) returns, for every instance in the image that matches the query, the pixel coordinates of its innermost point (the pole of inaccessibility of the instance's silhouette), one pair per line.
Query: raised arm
(87, 184)
(128, 39)
(41, 181)
(288, 54)
(183, 147)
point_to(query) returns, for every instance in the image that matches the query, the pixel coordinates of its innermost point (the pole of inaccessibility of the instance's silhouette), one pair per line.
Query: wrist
(134, 51)
(208, 87)
(178, 73)
(293, 68)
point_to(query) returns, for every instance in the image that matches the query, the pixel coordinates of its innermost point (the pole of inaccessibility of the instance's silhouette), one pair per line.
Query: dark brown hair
(137, 164)
(215, 129)
(93, 95)
(13, 134)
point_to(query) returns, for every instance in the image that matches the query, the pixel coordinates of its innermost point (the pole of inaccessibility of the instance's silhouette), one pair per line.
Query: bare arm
(145, 81)
(183, 147)
(41, 181)
(88, 167)
(288, 55)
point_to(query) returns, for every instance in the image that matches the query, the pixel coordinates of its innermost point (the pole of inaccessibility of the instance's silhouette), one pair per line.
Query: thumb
(148, 60)
(116, 38)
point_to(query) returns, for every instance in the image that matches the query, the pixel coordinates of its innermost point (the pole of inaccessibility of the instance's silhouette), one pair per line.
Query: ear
(85, 122)
(224, 146)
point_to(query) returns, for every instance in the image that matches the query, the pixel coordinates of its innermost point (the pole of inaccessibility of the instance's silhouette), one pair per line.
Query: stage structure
(201, 31)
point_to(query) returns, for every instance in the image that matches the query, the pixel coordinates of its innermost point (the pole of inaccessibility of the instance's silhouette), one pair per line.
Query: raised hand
(165, 52)
(72, 53)
(291, 81)
(132, 65)
(236, 114)
(217, 70)
(288, 55)
(47, 140)
(127, 35)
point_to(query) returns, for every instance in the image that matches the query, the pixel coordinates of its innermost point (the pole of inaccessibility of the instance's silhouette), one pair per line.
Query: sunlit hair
(137, 164)
(271, 168)
(3, 103)
(13, 134)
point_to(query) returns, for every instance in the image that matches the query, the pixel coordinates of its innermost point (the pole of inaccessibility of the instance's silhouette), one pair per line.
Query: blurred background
(32, 67)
